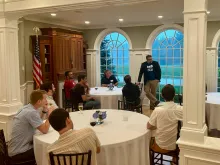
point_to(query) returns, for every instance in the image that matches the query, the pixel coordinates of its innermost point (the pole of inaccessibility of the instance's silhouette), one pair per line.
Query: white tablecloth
(109, 99)
(213, 110)
(122, 142)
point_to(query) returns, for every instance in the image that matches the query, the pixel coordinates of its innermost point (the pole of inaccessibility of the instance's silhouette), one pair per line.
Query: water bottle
(111, 85)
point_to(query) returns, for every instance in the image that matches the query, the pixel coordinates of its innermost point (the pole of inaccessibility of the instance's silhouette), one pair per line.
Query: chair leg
(151, 158)
(161, 159)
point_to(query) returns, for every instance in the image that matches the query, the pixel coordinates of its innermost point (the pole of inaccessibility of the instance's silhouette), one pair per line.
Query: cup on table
(96, 88)
(124, 117)
(80, 107)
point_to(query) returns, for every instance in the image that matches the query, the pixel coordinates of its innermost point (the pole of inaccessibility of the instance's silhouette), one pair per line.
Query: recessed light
(121, 20)
(208, 12)
(160, 16)
(53, 14)
(87, 22)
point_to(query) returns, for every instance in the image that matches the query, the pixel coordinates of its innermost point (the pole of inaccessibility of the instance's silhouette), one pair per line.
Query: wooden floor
(146, 110)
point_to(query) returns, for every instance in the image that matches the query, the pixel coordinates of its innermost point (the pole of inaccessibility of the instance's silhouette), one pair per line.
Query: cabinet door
(62, 53)
(79, 48)
(73, 56)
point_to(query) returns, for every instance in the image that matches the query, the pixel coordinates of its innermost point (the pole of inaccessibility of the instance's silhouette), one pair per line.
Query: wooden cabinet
(60, 51)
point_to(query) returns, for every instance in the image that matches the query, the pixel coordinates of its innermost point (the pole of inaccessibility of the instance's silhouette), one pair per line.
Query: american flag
(37, 65)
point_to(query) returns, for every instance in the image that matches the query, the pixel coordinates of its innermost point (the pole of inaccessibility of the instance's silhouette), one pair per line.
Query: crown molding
(25, 9)
(53, 23)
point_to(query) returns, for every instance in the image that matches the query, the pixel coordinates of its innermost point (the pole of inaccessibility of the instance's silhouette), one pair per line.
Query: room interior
(141, 24)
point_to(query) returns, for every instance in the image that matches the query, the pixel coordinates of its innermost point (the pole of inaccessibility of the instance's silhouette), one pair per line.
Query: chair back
(140, 86)
(71, 159)
(3, 149)
(121, 105)
(180, 98)
(75, 98)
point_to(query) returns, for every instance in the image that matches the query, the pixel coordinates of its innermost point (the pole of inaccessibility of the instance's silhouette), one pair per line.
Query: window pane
(163, 61)
(169, 52)
(163, 70)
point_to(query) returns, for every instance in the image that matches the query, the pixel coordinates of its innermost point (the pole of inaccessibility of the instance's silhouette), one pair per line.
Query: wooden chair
(125, 105)
(71, 159)
(158, 158)
(140, 86)
(4, 159)
(66, 102)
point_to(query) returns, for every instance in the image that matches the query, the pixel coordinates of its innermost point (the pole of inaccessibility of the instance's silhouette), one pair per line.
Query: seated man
(69, 83)
(72, 141)
(50, 89)
(106, 80)
(25, 123)
(81, 89)
(131, 92)
(165, 121)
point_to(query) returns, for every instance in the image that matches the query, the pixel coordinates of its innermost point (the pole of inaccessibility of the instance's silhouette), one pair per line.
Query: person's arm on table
(45, 126)
(151, 125)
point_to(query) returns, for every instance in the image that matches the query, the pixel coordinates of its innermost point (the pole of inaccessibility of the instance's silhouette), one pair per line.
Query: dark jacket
(131, 92)
(143, 69)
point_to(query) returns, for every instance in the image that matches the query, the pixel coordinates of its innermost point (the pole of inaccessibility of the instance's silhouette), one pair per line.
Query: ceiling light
(121, 20)
(53, 14)
(160, 16)
(87, 22)
(208, 12)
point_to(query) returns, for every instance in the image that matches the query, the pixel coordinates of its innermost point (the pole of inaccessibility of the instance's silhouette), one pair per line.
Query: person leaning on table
(24, 125)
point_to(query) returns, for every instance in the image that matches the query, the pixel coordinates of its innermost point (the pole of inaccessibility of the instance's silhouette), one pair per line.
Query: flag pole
(36, 30)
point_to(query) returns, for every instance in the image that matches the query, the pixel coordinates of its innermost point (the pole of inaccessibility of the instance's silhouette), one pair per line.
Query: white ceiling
(133, 15)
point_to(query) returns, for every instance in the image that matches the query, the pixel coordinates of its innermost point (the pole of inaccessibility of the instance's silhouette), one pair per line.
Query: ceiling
(144, 13)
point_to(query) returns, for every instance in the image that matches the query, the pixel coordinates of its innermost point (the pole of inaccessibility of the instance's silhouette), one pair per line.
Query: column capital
(195, 6)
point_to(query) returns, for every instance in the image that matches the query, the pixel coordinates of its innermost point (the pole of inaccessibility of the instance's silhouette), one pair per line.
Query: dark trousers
(26, 158)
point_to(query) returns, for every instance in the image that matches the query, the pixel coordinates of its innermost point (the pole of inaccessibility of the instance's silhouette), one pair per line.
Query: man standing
(69, 83)
(25, 123)
(152, 74)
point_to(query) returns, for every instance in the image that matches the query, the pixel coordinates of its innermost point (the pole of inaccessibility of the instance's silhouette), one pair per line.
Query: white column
(9, 62)
(195, 29)
(211, 69)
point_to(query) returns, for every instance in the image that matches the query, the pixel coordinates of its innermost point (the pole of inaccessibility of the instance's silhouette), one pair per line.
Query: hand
(138, 83)
(50, 110)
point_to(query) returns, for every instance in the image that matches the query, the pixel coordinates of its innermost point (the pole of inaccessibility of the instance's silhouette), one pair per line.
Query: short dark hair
(46, 86)
(127, 79)
(58, 118)
(168, 92)
(67, 73)
(148, 56)
(81, 77)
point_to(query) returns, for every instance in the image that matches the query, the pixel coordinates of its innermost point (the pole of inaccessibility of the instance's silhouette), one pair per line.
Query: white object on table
(108, 98)
(122, 142)
(213, 110)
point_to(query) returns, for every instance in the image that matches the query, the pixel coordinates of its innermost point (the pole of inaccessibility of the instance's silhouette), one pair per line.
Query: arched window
(114, 56)
(167, 49)
(218, 80)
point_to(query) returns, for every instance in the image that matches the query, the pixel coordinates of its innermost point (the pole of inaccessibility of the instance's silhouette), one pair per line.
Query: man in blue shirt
(152, 75)
(25, 123)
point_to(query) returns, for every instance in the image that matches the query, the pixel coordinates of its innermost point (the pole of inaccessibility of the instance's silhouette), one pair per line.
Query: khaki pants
(151, 88)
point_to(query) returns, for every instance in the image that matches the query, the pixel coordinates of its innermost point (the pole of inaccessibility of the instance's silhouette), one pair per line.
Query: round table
(122, 142)
(213, 111)
(108, 98)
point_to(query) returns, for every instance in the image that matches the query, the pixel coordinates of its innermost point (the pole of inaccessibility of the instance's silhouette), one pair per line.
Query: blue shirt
(150, 72)
(23, 128)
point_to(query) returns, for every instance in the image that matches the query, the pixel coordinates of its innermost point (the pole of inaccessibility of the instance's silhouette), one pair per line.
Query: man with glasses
(152, 75)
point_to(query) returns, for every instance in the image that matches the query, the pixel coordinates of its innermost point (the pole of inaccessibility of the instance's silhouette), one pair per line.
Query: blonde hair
(36, 95)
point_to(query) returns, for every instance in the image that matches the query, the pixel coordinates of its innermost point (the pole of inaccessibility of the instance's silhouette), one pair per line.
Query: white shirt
(51, 102)
(76, 141)
(166, 118)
